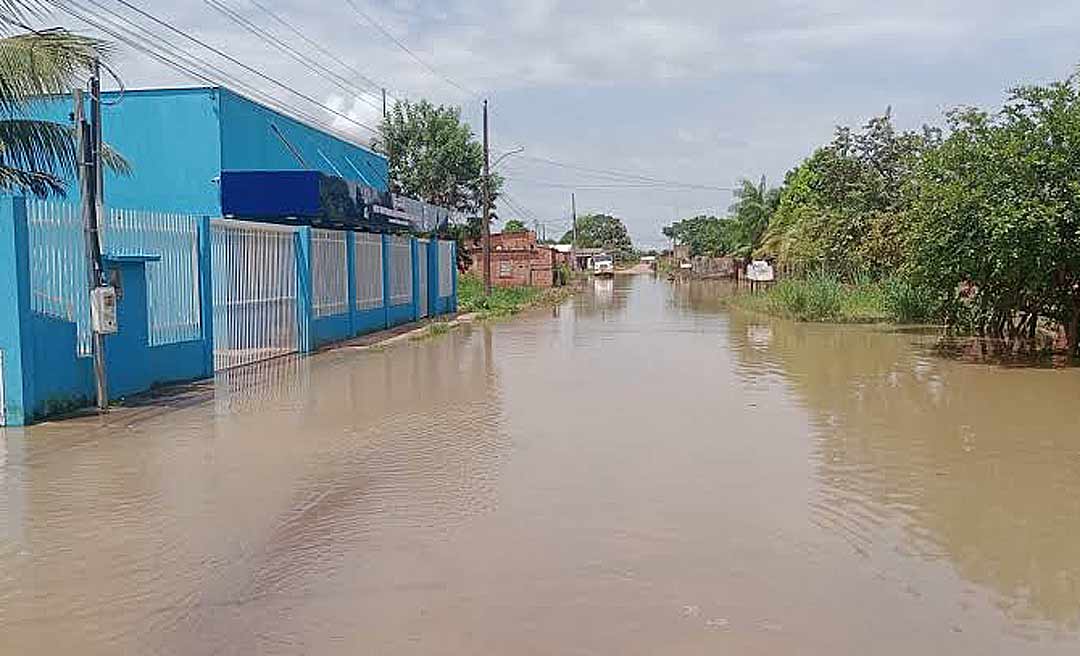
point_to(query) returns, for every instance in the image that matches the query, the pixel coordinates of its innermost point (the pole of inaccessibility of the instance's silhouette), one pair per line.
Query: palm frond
(42, 63)
(48, 148)
(33, 182)
(33, 145)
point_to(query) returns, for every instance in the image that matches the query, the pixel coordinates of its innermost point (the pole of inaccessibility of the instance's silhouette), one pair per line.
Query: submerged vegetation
(975, 225)
(822, 297)
(504, 301)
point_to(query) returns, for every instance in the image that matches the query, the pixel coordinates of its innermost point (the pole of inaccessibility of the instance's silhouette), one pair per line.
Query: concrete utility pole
(573, 239)
(487, 205)
(91, 188)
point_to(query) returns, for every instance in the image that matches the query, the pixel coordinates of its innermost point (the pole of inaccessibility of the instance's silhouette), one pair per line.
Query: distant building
(585, 257)
(516, 260)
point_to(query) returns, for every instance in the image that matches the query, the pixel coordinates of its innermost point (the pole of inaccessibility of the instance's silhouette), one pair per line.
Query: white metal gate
(255, 289)
(422, 280)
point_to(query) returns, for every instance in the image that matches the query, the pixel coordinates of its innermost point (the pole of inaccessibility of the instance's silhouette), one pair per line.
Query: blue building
(201, 288)
(178, 142)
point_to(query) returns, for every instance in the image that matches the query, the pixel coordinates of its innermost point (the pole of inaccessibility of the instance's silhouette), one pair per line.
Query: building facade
(516, 260)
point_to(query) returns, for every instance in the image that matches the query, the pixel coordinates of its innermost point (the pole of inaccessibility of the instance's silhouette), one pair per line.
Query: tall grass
(503, 301)
(821, 297)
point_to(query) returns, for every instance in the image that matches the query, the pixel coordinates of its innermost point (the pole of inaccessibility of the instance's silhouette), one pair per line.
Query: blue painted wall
(249, 142)
(179, 140)
(171, 138)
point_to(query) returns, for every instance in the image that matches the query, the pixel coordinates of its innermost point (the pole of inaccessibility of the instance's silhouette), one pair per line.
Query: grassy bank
(822, 298)
(504, 301)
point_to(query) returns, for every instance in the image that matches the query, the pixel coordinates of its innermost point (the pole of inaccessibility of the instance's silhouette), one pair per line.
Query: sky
(696, 91)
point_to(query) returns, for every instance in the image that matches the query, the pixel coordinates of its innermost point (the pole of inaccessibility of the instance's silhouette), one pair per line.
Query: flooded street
(640, 471)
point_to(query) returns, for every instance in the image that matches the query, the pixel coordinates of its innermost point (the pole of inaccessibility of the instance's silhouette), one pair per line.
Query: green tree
(435, 157)
(514, 225)
(843, 208)
(705, 235)
(602, 231)
(752, 210)
(995, 223)
(38, 156)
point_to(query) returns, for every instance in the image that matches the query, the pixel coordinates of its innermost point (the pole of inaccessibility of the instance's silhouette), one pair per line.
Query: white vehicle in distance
(603, 265)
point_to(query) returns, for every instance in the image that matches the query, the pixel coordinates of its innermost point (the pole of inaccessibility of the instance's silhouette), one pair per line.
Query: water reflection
(979, 466)
(161, 532)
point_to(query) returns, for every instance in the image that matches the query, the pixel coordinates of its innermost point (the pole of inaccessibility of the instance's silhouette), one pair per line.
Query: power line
(312, 65)
(644, 186)
(172, 56)
(622, 176)
(434, 71)
(244, 66)
(315, 44)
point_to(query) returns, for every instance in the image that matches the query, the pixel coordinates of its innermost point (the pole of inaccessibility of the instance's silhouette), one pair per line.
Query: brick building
(516, 260)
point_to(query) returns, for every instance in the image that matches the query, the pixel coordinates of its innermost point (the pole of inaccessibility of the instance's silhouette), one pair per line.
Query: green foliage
(995, 226)
(503, 301)
(823, 297)
(38, 156)
(602, 231)
(844, 207)
(705, 235)
(435, 157)
(752, 210)
(514, 225)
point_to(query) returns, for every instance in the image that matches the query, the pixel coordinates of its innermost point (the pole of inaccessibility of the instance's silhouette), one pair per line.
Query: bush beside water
(825, 298)
(503, 301)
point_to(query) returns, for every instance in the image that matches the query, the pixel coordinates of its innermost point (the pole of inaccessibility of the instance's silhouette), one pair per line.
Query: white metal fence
(401, 282)
(172, 282)
(58, 268)
(329, 272)
(58, 275)
(422, 279)
(255, 290)
(369, 271)
(446, 268)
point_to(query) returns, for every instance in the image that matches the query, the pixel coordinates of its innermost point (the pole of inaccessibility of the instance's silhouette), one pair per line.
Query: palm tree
(753, 208)
(37, 156)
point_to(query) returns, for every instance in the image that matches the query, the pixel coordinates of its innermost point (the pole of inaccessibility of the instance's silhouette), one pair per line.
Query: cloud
(697, 90)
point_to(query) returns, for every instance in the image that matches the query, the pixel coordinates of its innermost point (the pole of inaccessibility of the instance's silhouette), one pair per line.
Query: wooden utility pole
(573, 238)
(384, 103)
(487, 205)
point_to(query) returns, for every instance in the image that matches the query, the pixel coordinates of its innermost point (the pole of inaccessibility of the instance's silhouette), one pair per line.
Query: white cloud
(702, 90)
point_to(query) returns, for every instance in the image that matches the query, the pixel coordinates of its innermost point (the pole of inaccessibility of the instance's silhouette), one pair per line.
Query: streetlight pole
(486, 185)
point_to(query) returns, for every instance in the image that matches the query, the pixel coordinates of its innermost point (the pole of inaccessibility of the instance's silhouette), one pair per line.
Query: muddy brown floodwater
(638, 472)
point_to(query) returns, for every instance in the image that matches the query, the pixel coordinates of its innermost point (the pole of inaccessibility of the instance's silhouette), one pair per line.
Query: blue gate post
(414, 260)
(305, 309)
(386, 280)
(350, 268)
(432, 290)
(453, 277)
(16, 337)
(206, 294)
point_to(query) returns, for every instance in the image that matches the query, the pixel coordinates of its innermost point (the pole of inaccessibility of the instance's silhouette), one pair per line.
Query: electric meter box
(103, 310)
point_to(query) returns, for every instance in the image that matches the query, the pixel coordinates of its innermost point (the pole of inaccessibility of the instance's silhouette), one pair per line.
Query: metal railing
(401, 282)
(255, 292)
(172, 282)
(329, 272)
(446, 268)
(422, 280)
(369, 270)
(58, 275)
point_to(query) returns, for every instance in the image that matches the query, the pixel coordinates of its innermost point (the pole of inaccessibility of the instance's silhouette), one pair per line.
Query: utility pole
(487, 205)
(384, 103)
(573, 239)
(90, 183)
